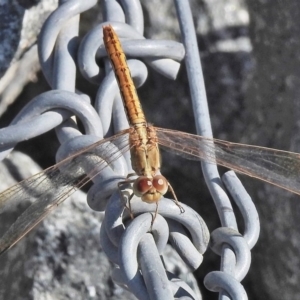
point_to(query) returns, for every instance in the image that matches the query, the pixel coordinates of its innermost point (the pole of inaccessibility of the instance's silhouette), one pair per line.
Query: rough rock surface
(252, 98)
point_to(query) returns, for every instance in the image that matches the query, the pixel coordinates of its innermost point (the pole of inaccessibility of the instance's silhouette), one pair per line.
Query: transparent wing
(277, 167)
(52, 186)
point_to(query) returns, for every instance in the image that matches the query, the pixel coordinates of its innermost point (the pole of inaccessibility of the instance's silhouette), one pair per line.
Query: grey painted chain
(128, 244)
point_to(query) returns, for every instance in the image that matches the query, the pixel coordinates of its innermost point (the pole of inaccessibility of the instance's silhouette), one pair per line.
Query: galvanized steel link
(51, 109)
(212, 177)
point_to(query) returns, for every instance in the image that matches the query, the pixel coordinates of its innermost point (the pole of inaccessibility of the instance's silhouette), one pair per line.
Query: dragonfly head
(150, 189)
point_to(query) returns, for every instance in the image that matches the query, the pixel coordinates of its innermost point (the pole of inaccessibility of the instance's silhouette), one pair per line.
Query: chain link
(128, 244)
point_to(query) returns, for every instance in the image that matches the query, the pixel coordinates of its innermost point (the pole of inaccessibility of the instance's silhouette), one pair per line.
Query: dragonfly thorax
(145, 157)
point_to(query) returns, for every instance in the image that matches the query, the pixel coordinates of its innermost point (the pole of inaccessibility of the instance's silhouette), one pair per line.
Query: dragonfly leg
(126, 200)
(129, 206)
(155, 214)
(130, 175)
(175, 198)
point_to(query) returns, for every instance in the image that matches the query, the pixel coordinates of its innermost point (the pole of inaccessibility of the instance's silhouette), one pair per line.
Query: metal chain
(231, 245)
(128, 244)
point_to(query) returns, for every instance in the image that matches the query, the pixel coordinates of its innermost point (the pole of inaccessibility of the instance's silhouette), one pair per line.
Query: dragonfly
(150, 185)
(52, 186)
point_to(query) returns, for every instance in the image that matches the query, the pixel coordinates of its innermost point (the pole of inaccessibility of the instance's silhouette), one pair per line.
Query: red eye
(142, 185)
(160, 183)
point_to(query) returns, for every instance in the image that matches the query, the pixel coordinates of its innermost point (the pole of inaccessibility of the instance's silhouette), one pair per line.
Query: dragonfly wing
(187, 145)
(281, 168)
(52, 186)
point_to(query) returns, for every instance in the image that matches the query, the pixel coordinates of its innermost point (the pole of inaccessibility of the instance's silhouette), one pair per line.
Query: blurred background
(251, 65)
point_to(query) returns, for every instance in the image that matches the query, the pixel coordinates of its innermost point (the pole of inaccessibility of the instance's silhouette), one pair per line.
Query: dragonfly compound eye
(160, 183)
(142, 185)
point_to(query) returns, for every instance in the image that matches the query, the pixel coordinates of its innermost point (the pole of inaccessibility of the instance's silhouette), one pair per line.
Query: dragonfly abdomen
(129, 95)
